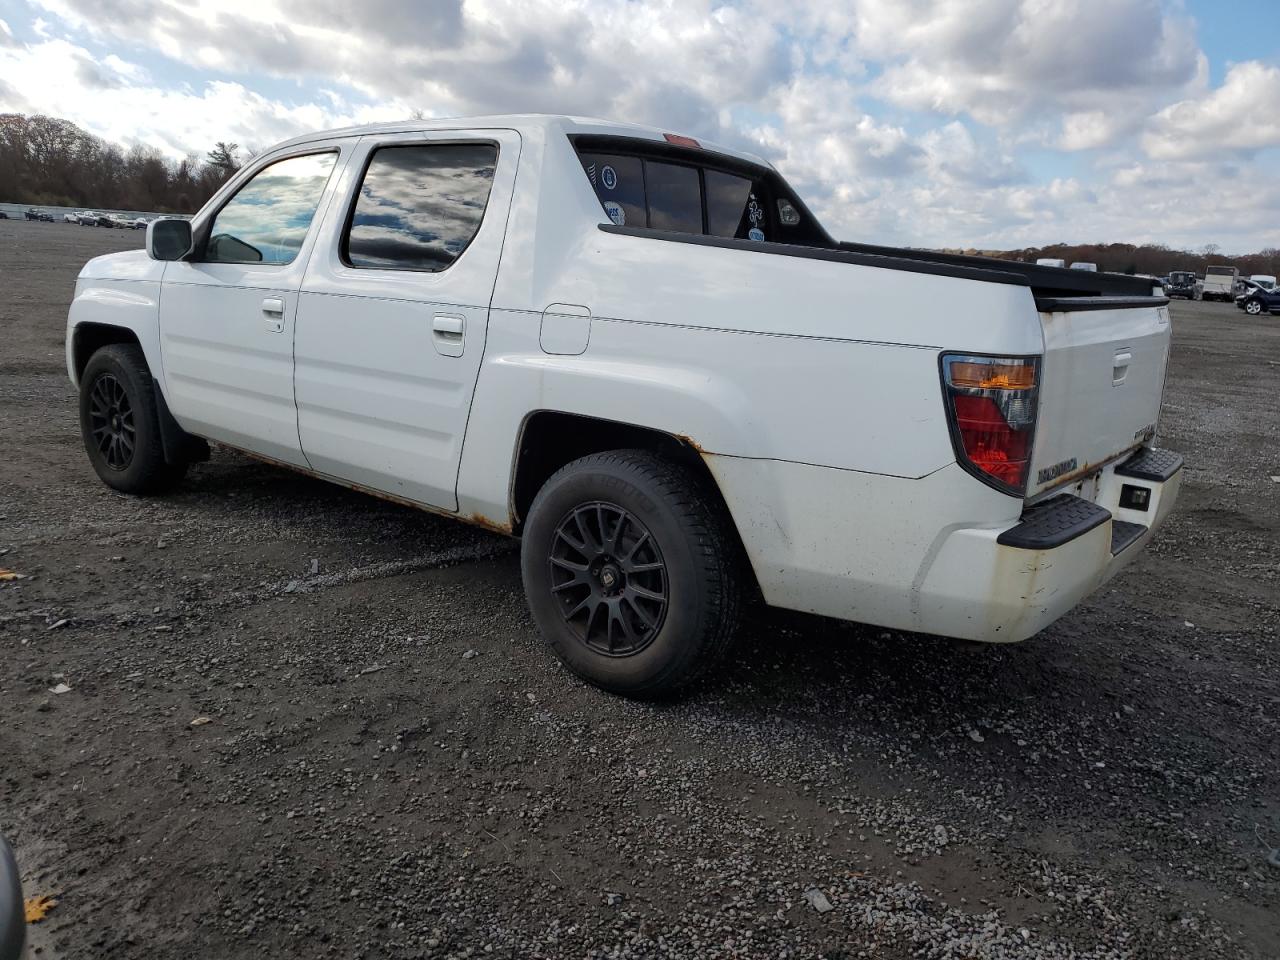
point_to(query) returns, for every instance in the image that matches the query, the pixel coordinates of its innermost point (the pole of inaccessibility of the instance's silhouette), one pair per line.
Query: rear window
(674, 197)
(686, 198)
(1220, 272)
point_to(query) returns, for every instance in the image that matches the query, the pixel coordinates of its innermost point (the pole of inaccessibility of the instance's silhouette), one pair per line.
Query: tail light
(991, 409)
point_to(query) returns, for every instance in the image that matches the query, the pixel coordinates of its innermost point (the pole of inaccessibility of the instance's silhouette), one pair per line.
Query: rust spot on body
(492, 525)
(478, 519)
(686, 439)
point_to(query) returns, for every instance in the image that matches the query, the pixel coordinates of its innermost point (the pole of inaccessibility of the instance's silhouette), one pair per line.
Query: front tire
(1253, 308)
(632, 573)
(120, 423)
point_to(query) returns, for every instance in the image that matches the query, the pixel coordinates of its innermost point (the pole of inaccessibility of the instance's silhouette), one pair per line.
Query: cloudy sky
(990, 123)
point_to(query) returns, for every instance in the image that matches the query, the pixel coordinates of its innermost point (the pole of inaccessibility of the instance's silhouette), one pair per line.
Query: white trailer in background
(1220, 283)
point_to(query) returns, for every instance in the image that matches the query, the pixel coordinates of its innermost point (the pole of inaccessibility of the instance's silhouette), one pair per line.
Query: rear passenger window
(675, 197)
(419, 206)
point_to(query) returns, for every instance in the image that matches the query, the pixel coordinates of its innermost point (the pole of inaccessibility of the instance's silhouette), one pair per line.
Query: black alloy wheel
(609, 577)
(120, 422)
(633, 571)
(111, 421)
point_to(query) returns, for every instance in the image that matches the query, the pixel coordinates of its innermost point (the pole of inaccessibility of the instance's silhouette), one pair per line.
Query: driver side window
(268, 218)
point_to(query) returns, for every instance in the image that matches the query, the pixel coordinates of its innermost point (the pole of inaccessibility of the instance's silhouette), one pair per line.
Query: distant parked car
(106, 220)
(3, 215)
(139, 223)
(1259, 301)
(1082, 265)
(87, 218)
(39, 215)
(1264, 280)
(122, 223)
(1248, 286)
(1182, 283)
(71, 218)
(1050, 262)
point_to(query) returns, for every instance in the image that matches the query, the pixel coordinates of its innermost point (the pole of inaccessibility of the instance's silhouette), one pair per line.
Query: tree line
(45, 160)
(1152, 259)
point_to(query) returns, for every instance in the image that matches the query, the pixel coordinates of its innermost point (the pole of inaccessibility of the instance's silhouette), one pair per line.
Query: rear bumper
(1005, 585)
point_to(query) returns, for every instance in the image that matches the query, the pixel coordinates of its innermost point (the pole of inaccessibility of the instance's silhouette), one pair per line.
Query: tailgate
(1101, 384)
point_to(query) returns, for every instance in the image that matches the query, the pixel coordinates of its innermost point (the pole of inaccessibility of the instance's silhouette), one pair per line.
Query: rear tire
(632, 572)
(120, 423)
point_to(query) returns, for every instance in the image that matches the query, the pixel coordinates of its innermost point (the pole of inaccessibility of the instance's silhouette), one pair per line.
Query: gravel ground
(393, 767)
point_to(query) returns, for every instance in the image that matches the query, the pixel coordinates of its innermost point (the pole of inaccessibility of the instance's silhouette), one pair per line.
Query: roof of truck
(519, 121)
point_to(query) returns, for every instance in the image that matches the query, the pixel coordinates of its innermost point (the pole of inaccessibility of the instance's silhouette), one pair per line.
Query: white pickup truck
(643, 356)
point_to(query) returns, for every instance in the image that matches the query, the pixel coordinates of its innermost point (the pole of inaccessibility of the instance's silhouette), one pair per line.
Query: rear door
(1100, 388)
(226, 316)
(394, 310)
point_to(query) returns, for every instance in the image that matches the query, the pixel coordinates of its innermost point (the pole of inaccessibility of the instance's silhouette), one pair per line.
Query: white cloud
(999, 61)
(1239, 117)
(104, 100)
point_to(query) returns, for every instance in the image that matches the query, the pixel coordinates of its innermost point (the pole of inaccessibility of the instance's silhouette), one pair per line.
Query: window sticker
(755, 213)
(615, 211)
(788, 214)
(755, 233)
(591, 173)
(609, 177)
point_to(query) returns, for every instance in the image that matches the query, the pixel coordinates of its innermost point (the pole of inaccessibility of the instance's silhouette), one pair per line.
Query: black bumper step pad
(1154, 465)
(1124, 534)
(1057, 521)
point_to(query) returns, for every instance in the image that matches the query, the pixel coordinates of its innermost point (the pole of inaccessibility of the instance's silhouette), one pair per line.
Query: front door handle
(448, 333)
(273, 310)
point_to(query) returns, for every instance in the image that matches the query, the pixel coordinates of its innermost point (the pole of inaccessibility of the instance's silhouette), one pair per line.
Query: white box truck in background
(1220, 283)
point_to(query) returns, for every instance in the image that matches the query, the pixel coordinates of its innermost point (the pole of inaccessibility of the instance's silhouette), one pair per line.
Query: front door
(394, 308)
(227, 315)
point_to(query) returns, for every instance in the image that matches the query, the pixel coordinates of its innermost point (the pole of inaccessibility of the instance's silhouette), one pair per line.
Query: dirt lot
(395, 768)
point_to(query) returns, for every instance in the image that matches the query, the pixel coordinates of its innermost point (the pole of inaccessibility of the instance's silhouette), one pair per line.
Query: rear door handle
(273, 310)
(448, 333)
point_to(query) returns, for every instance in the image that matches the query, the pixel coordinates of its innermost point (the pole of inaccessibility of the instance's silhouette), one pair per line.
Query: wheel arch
(550, 439)
(88, 337)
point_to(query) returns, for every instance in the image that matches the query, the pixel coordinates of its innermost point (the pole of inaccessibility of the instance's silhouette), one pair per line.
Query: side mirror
(168, 239)
(13, 921)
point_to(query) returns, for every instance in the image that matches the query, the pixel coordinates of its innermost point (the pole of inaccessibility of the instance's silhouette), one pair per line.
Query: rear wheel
(632, 572)
(120, 423)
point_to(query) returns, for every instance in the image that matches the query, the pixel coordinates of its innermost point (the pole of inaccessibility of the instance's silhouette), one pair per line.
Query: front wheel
(120, 422)
(631, 571)
(1253, 308)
